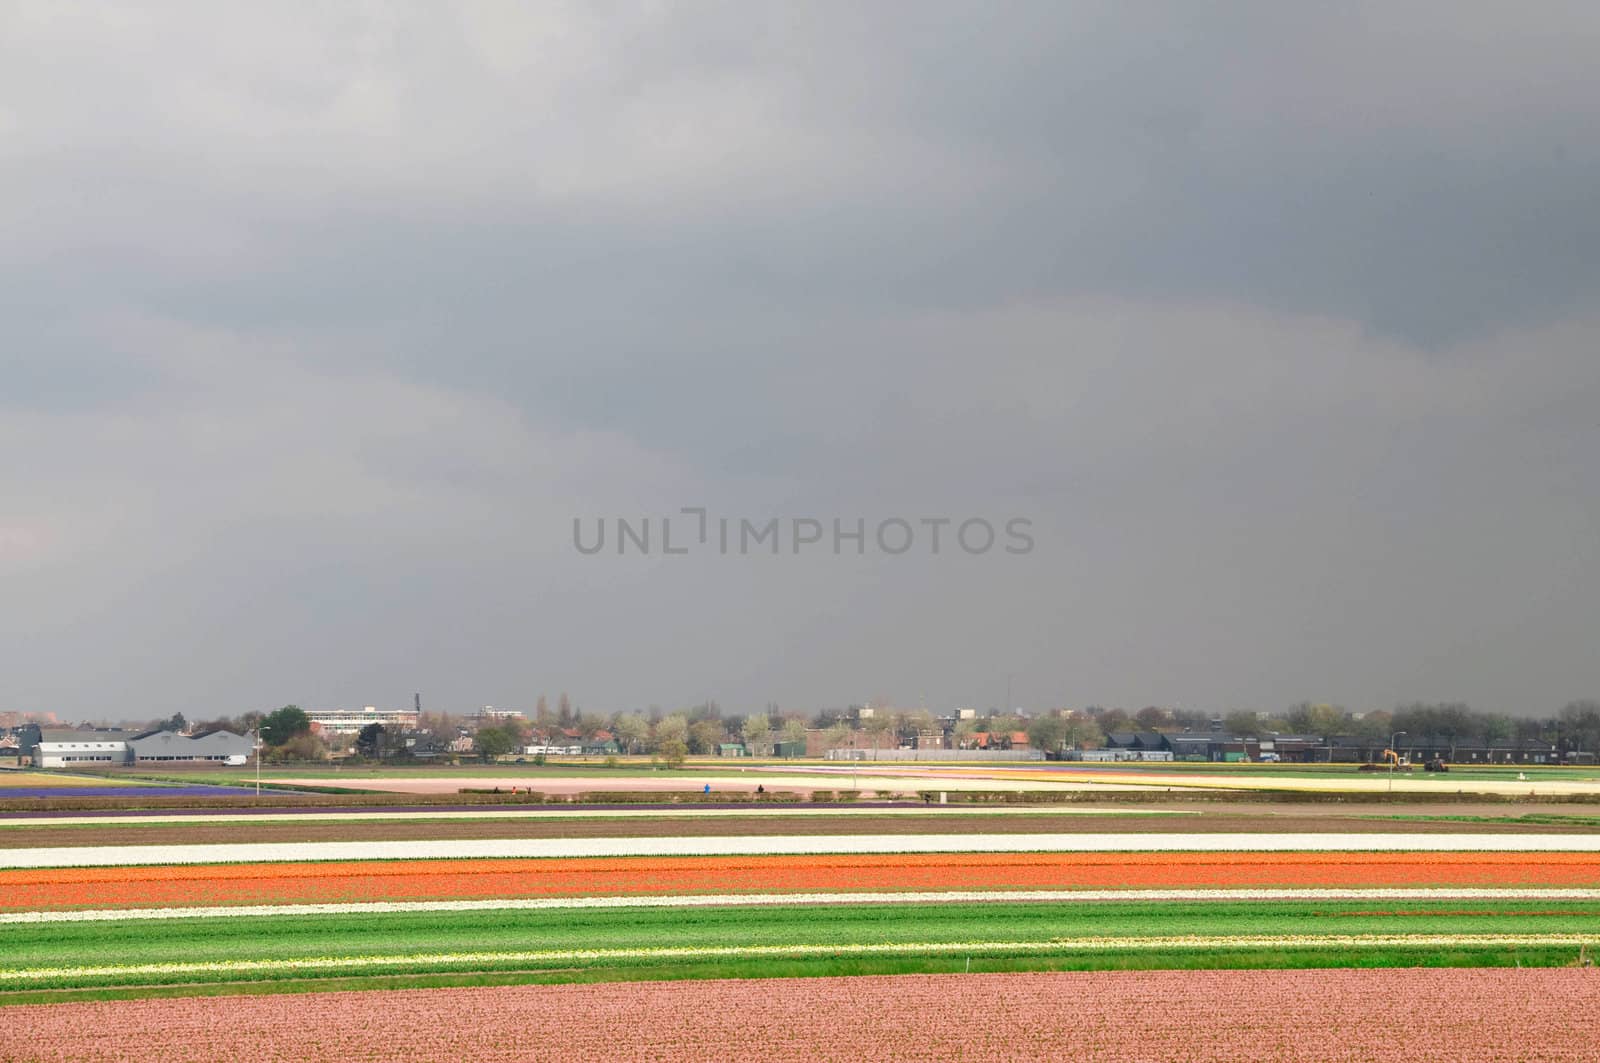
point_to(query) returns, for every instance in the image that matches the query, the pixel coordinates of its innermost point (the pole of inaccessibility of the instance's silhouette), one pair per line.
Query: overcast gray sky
(320, 324)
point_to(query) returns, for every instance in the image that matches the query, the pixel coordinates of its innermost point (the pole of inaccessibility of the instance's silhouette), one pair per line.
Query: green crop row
(404, 937)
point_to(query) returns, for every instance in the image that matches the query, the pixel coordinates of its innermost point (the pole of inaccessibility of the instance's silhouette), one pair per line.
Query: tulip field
(1319, 1016)
(129, 919)
(106, 931)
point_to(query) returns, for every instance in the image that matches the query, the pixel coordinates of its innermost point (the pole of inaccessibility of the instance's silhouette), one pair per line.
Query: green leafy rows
(197, 941)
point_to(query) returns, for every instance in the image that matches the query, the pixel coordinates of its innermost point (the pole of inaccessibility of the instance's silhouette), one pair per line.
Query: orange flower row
(268, 883)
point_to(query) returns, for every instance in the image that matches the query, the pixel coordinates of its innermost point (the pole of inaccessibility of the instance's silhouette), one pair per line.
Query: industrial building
(351, 721)
(58, 748)
(210, 747)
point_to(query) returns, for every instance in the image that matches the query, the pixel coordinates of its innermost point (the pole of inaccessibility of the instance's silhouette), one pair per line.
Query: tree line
(287, 735)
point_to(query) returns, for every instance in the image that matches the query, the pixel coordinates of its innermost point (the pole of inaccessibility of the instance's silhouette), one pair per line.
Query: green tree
(757, 733)
(494, 742)
(1084, 733)
(302, 746)
(280, 725)
(1241, 722)
(632, 731)
(672, 752)
(1375, 726)
(1048, 733)
(1580, 725)
(1498, 726)
(674, 728)
(794, 732)
(704, 736)
(369, 742)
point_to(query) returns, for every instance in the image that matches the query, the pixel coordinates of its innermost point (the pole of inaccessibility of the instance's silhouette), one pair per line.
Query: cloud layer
(317, 330)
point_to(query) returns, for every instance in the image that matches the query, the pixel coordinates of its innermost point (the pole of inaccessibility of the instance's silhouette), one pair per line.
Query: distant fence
(869, 755)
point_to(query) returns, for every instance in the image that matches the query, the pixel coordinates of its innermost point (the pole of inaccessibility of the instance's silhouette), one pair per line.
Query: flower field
(806, 845)
(461, 924)
(118, 790)
(346, 881)
(1291, 1016)
(19, 784)
(13, 781)
(671, 941)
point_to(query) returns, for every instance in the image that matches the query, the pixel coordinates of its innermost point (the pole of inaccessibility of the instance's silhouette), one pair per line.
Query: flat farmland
(294, 882)
(285, 900)
(620, 942)
(85, 831)
(719, 779)
(1331, 1016)
(909, 777)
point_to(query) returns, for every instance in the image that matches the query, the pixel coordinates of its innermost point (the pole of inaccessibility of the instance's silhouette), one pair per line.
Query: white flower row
(411, 815)
(127, 855)
(1095, 944)
(718, 900)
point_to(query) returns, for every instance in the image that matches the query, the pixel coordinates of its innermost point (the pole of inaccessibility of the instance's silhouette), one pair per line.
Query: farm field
(291, 904)
(16, 784)
(886, 777)
(412, 880)
(379, 826)
(809, 845)
(660, 940)
(1326, 1016)
(628, 767)
(908, 780)
(14, 779)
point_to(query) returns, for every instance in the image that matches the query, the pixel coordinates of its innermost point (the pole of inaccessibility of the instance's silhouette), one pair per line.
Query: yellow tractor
(1388, 760)
(1399, 763)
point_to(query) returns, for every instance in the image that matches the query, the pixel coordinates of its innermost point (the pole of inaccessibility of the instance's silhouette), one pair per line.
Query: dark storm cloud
(320, 327)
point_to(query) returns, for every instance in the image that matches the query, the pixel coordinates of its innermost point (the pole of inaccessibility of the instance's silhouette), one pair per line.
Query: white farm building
(75, 749)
